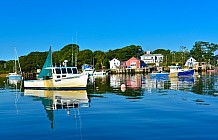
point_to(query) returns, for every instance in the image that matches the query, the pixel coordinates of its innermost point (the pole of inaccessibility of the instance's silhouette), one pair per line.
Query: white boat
(159, 74)
(57, 77)
(87, 69)
(99, 73)
(178, 71)
(15, 75)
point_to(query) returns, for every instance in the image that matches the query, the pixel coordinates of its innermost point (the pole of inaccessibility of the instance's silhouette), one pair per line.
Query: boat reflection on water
(185, 83)
(146, 83)
(15, 84)
(13, 81)
(60, 99)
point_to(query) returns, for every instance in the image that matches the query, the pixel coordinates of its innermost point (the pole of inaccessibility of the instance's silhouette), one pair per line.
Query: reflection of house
(190, 62)
(201, 66)
(134, 63)
(133, 81)
(152, 58)
(114, 63)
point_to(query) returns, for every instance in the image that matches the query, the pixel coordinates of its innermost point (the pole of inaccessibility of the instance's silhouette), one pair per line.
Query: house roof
(114, 59)
(192, 58)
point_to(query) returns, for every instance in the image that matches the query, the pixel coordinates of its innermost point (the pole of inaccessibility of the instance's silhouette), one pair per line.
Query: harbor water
(131, 107)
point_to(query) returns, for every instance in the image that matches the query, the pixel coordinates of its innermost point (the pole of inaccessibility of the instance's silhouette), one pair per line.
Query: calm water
(148, 109)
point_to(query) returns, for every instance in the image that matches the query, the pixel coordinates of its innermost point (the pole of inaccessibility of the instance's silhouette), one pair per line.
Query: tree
(204, 52)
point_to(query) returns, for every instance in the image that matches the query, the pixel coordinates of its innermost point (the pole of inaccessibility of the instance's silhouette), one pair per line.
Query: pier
(132, 70)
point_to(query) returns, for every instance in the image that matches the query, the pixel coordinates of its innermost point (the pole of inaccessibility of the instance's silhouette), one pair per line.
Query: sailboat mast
(76, 51)
(15, 63)
(18, 61)
(72, 53)
(51, 57)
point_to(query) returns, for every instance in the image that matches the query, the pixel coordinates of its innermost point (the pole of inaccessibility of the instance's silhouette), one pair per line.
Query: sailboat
(15, 75)
(54, 77)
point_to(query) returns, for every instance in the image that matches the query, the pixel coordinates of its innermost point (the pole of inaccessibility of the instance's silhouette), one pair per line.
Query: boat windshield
(69, 70)
(64, 71)
(74, 71)
(58, 71)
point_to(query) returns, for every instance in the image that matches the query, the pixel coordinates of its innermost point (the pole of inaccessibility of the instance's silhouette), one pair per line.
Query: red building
(133, 63)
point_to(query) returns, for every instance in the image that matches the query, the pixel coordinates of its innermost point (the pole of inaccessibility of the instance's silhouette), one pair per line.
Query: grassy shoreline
(3, 75)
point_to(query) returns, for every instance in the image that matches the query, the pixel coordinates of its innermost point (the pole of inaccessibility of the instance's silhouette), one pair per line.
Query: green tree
(204, 52)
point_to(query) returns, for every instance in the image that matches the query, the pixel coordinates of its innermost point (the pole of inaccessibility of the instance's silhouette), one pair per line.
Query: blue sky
(34, 25)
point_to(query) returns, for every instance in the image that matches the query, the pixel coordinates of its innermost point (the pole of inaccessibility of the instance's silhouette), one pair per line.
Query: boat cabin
(61, 72)
(65, 70)
(174, 68)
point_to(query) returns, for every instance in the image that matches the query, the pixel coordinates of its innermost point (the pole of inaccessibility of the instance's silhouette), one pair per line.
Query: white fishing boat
(53, 77)
(16, 75)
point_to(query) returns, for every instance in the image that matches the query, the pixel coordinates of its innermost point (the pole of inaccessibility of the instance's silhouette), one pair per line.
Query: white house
(190, 62)
(151, 58)
(114, 63)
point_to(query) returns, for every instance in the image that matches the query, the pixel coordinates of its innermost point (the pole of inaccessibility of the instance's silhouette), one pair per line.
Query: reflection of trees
(2, 81)
(205, 85)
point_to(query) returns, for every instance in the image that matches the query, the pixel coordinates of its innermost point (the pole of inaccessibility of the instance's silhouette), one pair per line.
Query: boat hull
(185, 73)
(76, 82)
(159, 74)
(15, 77)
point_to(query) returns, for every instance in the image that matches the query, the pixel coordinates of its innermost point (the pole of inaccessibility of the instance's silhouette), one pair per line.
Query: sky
(35, 25)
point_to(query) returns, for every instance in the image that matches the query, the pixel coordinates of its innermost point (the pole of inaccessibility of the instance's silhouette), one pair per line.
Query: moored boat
(53, 77)
(159, 74)
(99, 73)
(87, 69)
(16, 75)
(178, 71)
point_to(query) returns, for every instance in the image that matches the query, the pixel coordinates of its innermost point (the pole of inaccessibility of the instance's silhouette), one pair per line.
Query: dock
(132, 70)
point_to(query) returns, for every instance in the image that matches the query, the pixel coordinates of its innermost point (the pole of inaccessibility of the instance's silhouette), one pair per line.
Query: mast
(51, 57)
(15, 59)
(72, 53)
(76, 51)
(18, 62)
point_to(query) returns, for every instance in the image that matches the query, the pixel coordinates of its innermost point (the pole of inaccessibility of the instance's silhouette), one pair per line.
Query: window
(58, 71)
(69, 70)
(74, 71)
(64, 71)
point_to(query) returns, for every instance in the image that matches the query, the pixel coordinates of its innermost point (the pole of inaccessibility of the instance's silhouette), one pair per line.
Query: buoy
(123, 87)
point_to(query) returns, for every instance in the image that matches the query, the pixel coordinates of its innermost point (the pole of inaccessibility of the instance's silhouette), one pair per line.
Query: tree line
(201, 51)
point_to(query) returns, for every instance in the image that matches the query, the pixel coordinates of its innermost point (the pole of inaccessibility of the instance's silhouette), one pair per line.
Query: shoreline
(3, 75)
